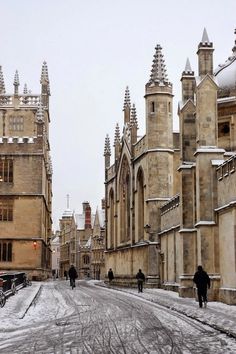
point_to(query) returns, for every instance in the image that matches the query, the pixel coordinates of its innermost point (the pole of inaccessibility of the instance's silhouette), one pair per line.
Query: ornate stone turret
(133, 124)
(159, 104)
(205, 55)
(127, 106)
(2, 84)
(158, 72)
(16, 83)
(45, 85)
(117, 141)
(188, 82)
(107, 152)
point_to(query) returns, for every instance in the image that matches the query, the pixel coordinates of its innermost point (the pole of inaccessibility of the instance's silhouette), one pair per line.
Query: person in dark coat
(202, 281)
(140, 279)
(110, 275)
(65, 274)
(72, 275)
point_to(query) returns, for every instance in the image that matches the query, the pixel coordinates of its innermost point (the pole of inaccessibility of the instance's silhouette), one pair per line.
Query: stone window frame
(16, 123)
(6, 209)
(86, 259)
(6, 170)
(5, 251)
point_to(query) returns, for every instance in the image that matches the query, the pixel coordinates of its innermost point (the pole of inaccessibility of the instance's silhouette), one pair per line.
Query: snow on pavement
(217, 315)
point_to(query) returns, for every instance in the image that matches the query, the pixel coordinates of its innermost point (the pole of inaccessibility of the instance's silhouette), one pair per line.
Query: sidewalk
(217, 315)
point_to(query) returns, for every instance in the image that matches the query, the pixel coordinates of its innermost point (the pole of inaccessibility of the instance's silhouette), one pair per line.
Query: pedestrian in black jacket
(141, 279)
(110, 275)
(202, 281)
(72, 275)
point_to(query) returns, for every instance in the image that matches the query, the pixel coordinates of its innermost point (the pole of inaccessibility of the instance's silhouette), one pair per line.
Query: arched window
(125, 191)
(111, 218)
(140, 191)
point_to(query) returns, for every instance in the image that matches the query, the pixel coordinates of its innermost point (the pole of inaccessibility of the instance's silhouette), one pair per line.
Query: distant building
(25, 179)
(98, 245)
(75, 241)
(68, 241)
(84, 233)
(55, 247)
(171, 198)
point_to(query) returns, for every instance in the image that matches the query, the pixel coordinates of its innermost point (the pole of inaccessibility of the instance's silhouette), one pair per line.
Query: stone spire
(107, 147)
(205, 55)
(158, 72)
(127, 103)
(133, 125)
(205, 38)
(188, 82)
(44, 74)
(117, 141)
(25, 90)
(2, 84)
(45, 86)
(188, 69)
(107, 154)
(16, 83)
(40, 112)
(117, 135)
(127, 106)
(133, 119)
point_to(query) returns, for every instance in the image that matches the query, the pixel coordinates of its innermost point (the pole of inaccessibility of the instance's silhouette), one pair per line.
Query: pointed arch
(124, 197)
(111, 219)
(140, 201)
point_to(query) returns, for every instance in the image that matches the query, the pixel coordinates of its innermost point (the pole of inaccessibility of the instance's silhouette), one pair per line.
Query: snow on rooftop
(226, 73)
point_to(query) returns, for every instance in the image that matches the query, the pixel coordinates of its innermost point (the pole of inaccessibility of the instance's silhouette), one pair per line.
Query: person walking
(66, 274)
(202, 281)
(72, 275)
(110, 275)
(140, 279)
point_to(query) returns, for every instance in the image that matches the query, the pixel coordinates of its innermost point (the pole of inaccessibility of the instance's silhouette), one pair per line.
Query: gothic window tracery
(111, 217)
(140, 191)
(125, 201)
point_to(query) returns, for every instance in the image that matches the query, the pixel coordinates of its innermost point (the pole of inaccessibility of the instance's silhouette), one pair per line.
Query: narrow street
(93, 319)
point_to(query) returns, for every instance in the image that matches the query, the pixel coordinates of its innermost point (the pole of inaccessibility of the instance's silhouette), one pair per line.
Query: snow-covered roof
(67, 213)
(80, 220)
(88, 243)
(226, 73)
(101, 216)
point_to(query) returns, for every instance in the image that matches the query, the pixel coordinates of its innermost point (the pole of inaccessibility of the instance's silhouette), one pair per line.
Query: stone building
(25, 179)
(55, 247)
(84, 234)
(75, 240)
(98, 270)
(170, 199)
(68, 241)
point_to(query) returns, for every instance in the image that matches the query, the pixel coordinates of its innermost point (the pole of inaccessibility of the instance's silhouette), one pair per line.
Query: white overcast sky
(94, 49)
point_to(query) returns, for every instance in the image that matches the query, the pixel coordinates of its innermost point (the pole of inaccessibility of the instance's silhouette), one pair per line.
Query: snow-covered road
(92, 319)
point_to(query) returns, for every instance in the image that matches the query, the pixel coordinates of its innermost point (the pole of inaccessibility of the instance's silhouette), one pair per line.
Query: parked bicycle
(2, 298)
(2, 295)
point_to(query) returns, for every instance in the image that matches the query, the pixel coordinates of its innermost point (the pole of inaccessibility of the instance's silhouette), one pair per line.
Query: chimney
(87, 212)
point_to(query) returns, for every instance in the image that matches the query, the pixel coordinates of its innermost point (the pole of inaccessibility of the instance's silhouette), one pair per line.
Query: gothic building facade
(170, 198)
(25, 179)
